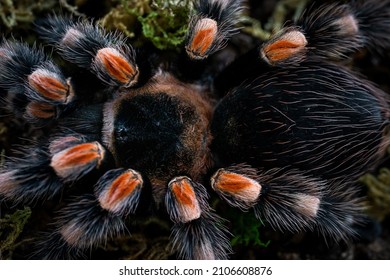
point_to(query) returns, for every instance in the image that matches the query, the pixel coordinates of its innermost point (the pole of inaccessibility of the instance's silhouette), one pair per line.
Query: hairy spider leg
(29, 178)
(291, 201)
(84, 43)
(285, 47)
(373, 19)
(41, 172)
(35, 87)
(93, 219)
(73, 157)
(118, 191)
(198, 233)
(213, 23)
(331, 31)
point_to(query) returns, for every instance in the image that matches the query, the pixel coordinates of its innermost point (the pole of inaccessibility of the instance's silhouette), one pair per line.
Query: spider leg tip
(202, 37)
(284, 47)
(119, 194)
(78, 159)
(236, 188)
(182, 201)
(116, 65)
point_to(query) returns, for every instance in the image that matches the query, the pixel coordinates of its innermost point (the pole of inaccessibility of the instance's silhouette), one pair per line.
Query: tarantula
(285, 130)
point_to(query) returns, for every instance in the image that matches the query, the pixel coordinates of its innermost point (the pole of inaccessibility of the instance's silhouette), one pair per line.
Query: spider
(285, 130)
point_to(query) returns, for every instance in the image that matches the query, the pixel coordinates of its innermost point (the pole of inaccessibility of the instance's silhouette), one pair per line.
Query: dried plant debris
(13, 12)
(11, 226)
(378, 192)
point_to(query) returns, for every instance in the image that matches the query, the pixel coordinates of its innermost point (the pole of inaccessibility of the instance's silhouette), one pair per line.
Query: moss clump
(162, 22)
(11, 226)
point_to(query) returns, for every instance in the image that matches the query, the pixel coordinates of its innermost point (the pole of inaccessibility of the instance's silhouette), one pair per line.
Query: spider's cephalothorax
(285, 130)
(161, 129)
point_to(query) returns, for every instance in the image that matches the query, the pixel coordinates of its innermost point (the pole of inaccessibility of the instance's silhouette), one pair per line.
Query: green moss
(162, 22)
(164, 32)
(11, 226)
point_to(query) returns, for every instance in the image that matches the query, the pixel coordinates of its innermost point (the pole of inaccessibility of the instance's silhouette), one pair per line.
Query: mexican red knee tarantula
(285, 129)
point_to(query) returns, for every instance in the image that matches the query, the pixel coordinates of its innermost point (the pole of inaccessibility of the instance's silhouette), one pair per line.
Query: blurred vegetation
(13, 13)
(11, 226)
(283, 11)
(378, 193)
(247, 229)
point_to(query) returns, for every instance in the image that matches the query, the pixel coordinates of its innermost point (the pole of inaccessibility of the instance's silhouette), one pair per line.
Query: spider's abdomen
(159, 129)
(315, 117)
